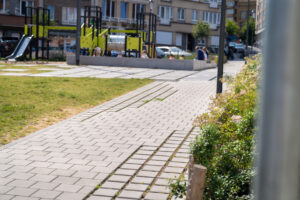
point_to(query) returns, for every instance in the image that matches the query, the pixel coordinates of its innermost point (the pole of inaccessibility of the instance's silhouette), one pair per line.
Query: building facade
(237, 11)
(12, 14)
(176, 18)
(260, 16)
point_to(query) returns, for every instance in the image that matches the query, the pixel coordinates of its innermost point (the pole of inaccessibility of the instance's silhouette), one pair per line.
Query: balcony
(213, 4)
(164, 21)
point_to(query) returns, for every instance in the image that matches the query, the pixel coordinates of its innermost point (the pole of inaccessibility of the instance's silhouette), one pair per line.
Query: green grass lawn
(28, 104)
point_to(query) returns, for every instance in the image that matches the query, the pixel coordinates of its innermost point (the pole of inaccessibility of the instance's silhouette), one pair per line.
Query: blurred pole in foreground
(279, 128)
(78, 32)
(221, 48)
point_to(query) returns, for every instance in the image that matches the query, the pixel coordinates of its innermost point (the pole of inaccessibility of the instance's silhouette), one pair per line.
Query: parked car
(159, 53)
(174, 50)
(8, 45)
(239, 48)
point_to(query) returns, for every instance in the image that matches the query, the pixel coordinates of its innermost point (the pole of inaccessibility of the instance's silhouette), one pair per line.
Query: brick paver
(130, 145)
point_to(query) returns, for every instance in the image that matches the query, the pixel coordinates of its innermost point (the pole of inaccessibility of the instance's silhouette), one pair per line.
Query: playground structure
(35, 42)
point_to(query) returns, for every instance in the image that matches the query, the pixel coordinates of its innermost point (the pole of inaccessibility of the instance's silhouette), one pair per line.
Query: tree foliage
(201, 30)
(251, 34)
(232, 28)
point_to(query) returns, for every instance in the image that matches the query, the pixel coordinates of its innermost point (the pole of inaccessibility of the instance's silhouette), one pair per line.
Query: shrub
(226, 142)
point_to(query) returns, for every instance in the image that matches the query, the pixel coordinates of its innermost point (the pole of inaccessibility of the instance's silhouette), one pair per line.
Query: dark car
(8, 45)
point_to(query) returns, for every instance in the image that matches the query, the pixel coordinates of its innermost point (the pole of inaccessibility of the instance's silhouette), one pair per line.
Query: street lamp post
(247, 32)
(221, 49)
(78, 32)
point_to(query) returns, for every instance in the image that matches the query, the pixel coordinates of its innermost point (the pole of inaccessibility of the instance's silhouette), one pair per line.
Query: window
(211, 17)
(243, 15)
(180, 14)
(51, 9)
(165, 12)
(4, 6)
(195, 15)
(137, 8)
(23, 4)
(69, 15)
(109, 8)
(124, 10)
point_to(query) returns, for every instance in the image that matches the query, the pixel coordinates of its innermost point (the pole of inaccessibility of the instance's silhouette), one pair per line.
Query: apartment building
(237, 10)
(260, 16)
(176, 18)
(12, 14)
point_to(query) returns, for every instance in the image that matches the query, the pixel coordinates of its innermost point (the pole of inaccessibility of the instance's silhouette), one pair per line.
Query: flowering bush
(226, 142)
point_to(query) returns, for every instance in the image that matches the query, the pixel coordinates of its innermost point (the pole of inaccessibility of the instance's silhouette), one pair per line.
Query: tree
(201, 30)
(251, 35)
(232, 28)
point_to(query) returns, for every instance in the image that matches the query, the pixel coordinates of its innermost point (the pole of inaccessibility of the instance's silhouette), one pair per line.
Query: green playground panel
(87, 41)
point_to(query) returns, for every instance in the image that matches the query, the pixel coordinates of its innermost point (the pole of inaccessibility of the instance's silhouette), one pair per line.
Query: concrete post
(196, 181)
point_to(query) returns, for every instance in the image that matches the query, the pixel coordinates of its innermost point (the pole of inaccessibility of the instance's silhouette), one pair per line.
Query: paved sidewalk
(126, 148)
(63, 70)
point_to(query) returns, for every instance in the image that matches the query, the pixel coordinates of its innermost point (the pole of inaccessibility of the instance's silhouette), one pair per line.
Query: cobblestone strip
(144, 172)
(113, 185)
(117, 101)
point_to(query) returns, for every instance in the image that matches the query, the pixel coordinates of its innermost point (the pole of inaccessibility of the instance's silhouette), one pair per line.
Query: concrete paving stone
(137, 187)
(112, 185)
(181, 160)
(45, 185)
(156, 196)
(43, 178)
(152, 168)
(49, 194)
(177, 164)
(87, 182)
(82, 167)
(134, 161)
(140, 157)
(98, 198)
(23, 198)
(163, 153)
(162, 181)
(19, 191)
(62, 172)
(160, 158)
(65, 180)
(131, 166)
(68, 188)
(60, 166)
(182, 155)
(127, 172)
(6, 197)
(21, 176)
(105, 192)
(147, 174)
(173, 170)
(5, 174)
(21, 183)
(85, 174)
(119, 178)
(4, 189)
(156, 163)
(129, 194)
(41, 170)
(71, 196)
(169, 175)
(142, 180)
(160, 189)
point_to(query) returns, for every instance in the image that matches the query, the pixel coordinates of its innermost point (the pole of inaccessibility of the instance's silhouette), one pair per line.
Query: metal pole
(78, 32)
(221, 49)
(278, 166)
(247, 32)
